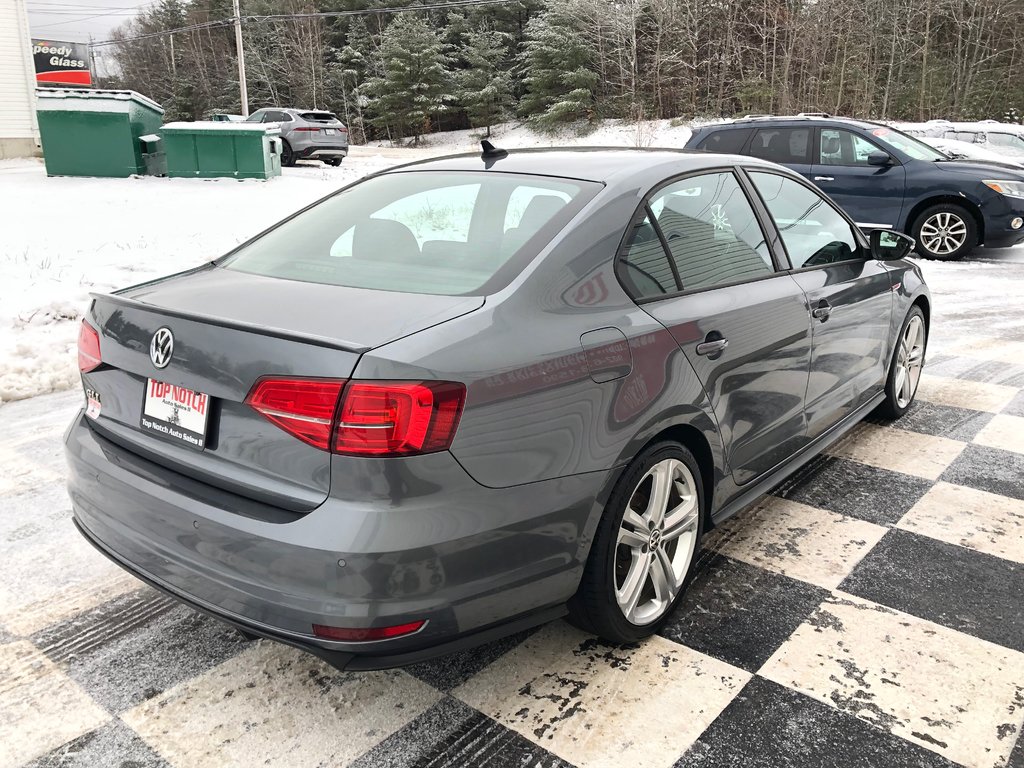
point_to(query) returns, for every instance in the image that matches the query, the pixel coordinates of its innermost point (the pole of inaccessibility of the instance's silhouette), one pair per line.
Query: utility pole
(174, 65)
(243, 92)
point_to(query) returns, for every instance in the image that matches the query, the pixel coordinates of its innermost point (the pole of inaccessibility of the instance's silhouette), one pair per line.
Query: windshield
(908, 145)
(420, 232)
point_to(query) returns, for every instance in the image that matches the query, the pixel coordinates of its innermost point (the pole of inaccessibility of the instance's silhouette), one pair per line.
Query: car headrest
(539, 211)
(830, 145)
(384, 240)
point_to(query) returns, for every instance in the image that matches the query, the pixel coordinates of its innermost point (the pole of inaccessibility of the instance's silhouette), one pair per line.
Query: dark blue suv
(886, 179)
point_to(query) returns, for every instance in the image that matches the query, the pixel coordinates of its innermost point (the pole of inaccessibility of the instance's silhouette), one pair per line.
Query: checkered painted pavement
(868, 613)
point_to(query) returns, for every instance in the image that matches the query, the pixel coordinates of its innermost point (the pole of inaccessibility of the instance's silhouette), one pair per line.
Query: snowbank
(609, 133)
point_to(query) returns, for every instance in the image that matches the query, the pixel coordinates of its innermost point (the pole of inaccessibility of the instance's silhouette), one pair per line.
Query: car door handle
(824, 178)
(713, 345)
(822, 311)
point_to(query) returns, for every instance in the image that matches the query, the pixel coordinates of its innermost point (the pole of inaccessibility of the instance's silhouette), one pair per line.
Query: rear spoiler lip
(305, 338)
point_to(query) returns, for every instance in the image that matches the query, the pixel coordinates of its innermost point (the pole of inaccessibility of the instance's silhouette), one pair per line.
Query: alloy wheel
(656, 541)
(909, 358)
(943, 233)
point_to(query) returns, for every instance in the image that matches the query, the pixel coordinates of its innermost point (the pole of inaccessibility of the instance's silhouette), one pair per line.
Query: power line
(89, 18)
(296, 16)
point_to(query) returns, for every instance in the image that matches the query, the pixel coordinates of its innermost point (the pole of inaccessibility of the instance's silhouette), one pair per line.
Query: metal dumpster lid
(220, 126)
(91, 100)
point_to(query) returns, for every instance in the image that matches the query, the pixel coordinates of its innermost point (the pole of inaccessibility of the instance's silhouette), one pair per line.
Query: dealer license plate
(176, 413)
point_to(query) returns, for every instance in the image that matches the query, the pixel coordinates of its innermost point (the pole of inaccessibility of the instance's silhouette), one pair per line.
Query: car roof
(600, 164)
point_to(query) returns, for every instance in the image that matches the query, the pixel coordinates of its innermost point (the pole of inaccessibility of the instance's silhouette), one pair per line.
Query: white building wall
(18, 129)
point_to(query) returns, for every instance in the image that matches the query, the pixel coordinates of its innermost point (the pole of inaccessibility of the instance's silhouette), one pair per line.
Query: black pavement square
(940, 420)
(136, 646)
(959, 588)
(988, 469)
(984, 371)
(114, 744)
(853, 489)
(452, 734)
(740, 613)
(770, 726)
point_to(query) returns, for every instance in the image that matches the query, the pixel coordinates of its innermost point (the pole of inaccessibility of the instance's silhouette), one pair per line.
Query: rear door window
(646, 267)
(782, 145)
(712, 233)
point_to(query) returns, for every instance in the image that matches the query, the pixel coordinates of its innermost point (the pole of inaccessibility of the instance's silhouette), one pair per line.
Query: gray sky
(76, 20)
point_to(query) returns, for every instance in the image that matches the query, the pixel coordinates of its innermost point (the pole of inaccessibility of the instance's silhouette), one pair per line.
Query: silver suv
(307, 134)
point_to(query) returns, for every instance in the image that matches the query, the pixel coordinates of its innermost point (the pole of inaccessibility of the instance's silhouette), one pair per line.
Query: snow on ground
(62, 238)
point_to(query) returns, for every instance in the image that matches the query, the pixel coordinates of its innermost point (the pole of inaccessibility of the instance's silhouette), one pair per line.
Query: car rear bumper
(307, 153)
(485, 563)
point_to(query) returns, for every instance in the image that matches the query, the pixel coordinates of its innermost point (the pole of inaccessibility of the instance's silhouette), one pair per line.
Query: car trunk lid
(229, 330)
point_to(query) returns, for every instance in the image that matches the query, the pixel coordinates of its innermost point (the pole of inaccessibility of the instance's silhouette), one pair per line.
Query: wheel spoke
(907, 391)
(629, 594)
(901, 374)
(661, 490)
(634, 539)
(681, 520)
(662, 577)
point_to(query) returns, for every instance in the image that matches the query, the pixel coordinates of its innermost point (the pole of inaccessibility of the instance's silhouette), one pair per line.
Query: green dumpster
(222, 149)
(90, 132)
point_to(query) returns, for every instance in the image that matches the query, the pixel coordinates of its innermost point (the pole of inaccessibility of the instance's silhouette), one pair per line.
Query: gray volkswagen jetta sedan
(469, 395)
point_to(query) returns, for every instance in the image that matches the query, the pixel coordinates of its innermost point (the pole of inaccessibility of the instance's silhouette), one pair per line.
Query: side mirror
(880, 158)
(887, 245)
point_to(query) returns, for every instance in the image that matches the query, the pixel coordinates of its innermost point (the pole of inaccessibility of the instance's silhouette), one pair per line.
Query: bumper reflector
(363, 634)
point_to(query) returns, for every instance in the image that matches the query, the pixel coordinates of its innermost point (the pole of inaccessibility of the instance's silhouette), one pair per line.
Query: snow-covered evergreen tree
(485, 86)
(559, 75)
(416, 81)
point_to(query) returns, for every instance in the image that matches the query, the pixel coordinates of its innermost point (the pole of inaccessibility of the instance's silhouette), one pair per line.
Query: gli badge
(161, 347)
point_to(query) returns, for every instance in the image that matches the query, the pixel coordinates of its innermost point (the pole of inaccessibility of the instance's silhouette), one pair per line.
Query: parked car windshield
(420, 232)
(908, 145)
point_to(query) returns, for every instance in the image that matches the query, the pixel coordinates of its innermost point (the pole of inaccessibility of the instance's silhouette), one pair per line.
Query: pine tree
(560, 80)
(485, 86)
(416, 80)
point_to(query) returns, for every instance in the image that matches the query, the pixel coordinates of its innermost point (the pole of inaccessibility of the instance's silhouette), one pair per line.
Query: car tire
(333, 161)
(627, 556)
(945, 232)
(287, 156)
(905, 368)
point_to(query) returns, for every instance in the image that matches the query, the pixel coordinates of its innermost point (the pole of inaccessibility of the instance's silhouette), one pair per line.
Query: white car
(962, 150)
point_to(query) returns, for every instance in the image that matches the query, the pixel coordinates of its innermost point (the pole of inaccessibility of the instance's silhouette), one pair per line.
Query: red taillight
(398, 418)
(302, 407)
(342, 129)
(361, 634)
(374, 418)
(307, 130)
(88, 348)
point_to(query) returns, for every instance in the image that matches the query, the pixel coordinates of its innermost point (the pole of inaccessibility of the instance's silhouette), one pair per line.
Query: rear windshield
(467, 233)
(320, 117)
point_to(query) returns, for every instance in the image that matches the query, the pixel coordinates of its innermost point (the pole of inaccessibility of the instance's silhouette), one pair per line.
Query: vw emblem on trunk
(161, 347)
